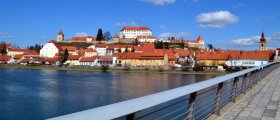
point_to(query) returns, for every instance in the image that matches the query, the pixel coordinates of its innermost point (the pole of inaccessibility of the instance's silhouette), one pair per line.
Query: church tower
(60, 36)
(263, 43)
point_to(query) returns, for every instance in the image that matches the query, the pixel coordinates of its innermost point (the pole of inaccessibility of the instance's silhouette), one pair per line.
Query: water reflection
(41, 94)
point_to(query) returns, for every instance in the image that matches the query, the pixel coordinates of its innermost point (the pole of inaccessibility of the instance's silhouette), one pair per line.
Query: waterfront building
(50, 49)
(147, 59)
(133, 32)
(90, 52)
(20, 51)
(212, 59)
(88, 61)
(249, 58)
(73, 60)
(262, 43)
(5, 59)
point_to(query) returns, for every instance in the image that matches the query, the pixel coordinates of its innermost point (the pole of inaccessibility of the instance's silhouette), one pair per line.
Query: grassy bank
(98, 69)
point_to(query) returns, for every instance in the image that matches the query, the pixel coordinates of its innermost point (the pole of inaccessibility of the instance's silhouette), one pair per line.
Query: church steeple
(60, 36)
(262, 43)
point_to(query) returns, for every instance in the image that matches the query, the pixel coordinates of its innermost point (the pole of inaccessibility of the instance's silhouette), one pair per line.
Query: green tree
(136, 41)
(126, 50)
(99, 36)
(133, 50)
(119, 51)
(107, 36)
(65, 56)
(210, 46)
(3, 48)
(182, 45)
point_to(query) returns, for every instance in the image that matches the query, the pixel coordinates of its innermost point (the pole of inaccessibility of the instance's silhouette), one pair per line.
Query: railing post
(130, 116)
(244, 81)
(233, 94)
(190, 111)
(251, 80)
(218, 99)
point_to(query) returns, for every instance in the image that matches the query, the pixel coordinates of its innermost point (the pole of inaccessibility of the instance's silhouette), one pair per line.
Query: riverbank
(110, 69)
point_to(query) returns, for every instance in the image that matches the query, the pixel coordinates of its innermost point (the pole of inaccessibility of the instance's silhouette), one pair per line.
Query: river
(40, 94)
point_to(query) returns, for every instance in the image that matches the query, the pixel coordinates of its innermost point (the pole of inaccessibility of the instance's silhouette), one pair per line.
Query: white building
(133, 32)
(50, 49)
(144, 38)
(101, 49)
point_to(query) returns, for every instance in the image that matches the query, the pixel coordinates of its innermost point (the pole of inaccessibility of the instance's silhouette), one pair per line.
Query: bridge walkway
(261, 103)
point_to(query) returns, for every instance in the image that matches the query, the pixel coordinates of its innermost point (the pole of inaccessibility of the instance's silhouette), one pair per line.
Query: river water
(41, 94)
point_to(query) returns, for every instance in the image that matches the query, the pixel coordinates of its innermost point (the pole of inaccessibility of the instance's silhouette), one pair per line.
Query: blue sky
(227, 24)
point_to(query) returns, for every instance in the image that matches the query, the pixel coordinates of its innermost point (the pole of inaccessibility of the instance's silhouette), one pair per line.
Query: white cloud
(162, 26)
(217, 19)
(273, 41)
(177, 35)
(250, 41)
(4, 35)
(131, 23)
(275, 37)
(81, 34)
(160, 2)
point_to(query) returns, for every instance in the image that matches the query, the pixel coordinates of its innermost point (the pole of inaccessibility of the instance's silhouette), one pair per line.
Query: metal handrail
(124, 108)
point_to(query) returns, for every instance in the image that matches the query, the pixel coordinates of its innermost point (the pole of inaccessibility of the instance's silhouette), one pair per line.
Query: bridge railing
(193, 102)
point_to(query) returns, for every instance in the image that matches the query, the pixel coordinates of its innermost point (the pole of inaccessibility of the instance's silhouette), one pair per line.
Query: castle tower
(262, 43)
(116, 38)
(60, 36)
(200, 40)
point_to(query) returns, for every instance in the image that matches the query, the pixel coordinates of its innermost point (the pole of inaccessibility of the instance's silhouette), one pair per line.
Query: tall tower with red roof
(60, 36)
(262, 43)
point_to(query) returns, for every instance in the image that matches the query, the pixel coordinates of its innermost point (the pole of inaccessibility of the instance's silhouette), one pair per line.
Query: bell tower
(60, 36)
(262, 43)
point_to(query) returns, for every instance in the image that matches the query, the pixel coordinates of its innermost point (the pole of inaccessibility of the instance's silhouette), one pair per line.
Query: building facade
(133, 32)
(50, 49)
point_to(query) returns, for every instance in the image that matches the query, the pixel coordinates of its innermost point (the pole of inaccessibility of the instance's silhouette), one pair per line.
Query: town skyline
(226, 25)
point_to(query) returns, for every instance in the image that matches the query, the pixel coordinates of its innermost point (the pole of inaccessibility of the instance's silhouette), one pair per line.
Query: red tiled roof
(52, 60)
(181, 52)
(90, 50)
(101, 45)
(60, 33)
(88, 59)
(199, 38)
(74, 57)
(5, 58)
(116, 36)
(18, 50)
(6, 45)
(18, 56)
(24, 51)
(56, 44)
(77, 38)
(135, 28)
(212, 56)
(145, 47)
